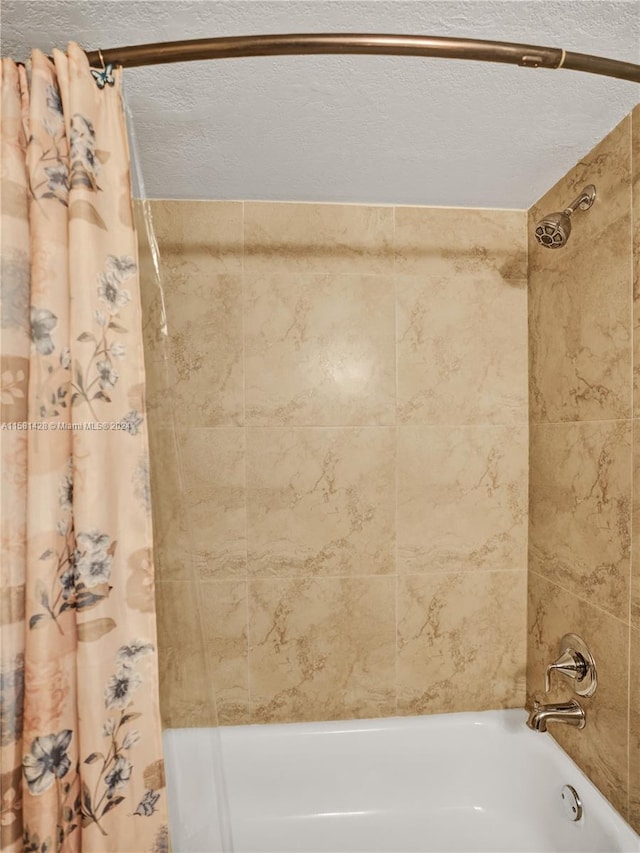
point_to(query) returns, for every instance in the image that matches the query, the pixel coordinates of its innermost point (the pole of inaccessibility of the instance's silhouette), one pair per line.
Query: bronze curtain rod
(530, 56)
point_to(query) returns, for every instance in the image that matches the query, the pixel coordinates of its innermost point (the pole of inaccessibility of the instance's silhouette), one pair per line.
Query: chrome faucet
(571, 713)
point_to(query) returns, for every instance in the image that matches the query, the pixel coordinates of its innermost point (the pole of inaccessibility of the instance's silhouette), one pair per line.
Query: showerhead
(553, 230)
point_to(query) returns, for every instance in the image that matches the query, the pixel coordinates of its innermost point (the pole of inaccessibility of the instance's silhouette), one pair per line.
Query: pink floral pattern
(81, 742)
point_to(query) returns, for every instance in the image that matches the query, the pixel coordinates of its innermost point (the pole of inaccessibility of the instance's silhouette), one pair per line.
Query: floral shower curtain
(80, 731)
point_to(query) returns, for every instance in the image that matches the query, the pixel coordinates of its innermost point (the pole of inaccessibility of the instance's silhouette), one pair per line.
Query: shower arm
(583, 201)
(526, 55)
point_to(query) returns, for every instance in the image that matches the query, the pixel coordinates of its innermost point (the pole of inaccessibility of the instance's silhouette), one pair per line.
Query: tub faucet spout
(570, 713)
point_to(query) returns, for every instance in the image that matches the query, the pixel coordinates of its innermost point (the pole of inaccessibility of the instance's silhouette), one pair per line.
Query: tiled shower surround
(345, 388)
(350, 394)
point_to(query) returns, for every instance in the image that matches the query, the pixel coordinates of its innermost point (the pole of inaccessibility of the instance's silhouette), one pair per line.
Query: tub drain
(571, 802)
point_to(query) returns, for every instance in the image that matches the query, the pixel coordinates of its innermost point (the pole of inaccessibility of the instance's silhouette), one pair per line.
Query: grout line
(580, 598)
(245, 460)
(420, 275)
(528, 492)
(247, 611)
(301, 577)
(338, 204)
(389, 426)
(324, 274)
(243, 318)
(632, 461)
(630, 629)
(396, 644)
(394, 274)
(580, 422)
(395, 459)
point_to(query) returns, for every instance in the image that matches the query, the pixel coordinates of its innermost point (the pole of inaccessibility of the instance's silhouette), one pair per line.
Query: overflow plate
(571, 802)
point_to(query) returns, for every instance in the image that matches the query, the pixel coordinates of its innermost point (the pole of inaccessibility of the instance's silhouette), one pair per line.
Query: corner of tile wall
(584, 467)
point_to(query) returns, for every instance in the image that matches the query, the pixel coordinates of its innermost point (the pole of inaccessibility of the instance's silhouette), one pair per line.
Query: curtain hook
(103, 76)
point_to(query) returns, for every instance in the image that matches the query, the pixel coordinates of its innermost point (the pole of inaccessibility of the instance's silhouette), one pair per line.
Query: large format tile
(208, 232)
(171, 543)
(196, 366)
(462, 498)
(214, 482)
(291, 238)
(580, 331)
(185, 690)
(579, 308)
(601, 748)
(224, 609)
(462, 349)
(449, 241)
(461, 642)
(199, 502)
(320, 350)
(322, 648)
(321, 501)
(580, 510)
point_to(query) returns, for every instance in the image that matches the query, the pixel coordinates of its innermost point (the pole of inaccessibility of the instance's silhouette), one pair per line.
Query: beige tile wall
(584, 504)
(345, 533)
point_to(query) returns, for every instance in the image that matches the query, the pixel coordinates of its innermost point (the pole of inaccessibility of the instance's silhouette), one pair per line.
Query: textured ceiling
(354, 128)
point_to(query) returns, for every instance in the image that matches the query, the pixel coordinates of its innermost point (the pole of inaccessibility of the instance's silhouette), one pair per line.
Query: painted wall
(349, 391)
(584, 501)
(366, 129)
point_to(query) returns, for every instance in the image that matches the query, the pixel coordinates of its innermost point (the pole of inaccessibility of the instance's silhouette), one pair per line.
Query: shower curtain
(80, 731)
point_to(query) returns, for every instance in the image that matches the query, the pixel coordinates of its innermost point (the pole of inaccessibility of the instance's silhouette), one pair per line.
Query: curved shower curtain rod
(527, 55)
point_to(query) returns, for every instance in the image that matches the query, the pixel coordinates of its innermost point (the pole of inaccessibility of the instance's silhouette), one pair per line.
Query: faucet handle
(570, 663)
(575, 662)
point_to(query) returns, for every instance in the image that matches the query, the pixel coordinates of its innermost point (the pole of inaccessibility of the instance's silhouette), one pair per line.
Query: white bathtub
(454, 782)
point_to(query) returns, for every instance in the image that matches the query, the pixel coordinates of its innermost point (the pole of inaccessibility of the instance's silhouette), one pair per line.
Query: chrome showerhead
(553, 230)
